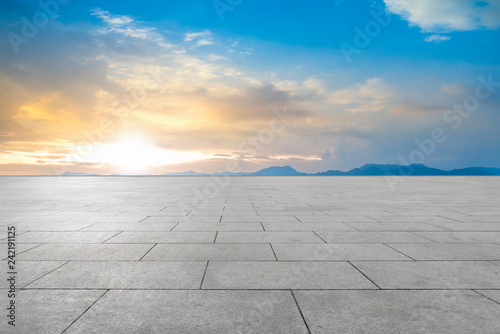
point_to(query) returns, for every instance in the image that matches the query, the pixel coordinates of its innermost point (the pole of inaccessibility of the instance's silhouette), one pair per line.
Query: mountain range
(366, 170)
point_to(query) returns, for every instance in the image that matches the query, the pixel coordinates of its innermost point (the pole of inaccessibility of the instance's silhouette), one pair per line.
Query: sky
(154, 87)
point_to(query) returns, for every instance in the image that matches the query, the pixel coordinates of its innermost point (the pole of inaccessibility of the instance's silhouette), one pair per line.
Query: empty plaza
(251, 254)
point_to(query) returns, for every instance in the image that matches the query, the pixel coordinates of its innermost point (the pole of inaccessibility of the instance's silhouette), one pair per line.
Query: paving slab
(48, 311)
(28, 271)
(65, 237)
(478, 227)
(492, 294)
(129, 227)
(190, 312)
(61, 226)
(450, 251)
(267, 237)
(211, 227)
(395, 312)
(124, 275)
(211, 252)
(395, 227)
(461, 237)
(284, 275)
(86, 252)
(432, 274)
(307, 227)
(370, 237)
(336, 252)
(207, 263)
(162, 237)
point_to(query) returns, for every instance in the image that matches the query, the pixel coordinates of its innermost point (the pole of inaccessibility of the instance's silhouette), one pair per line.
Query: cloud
(448, 15)
(114, 20)
(371, 96)
(191, 36)
(327, 155)
(437, 38)
(456, 89)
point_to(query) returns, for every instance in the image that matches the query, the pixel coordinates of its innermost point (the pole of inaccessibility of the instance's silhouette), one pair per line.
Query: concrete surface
(252, 254)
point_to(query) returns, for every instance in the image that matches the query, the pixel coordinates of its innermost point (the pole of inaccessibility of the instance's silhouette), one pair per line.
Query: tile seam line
(479, 293)
(111, 237)
(203, 278)
(147, 252)
(385, 244)
(362, 273)
(26, 285)
(300, 311)
(88, 308)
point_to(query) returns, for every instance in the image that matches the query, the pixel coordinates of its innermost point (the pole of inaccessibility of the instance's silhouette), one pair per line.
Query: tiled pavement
(257, 255)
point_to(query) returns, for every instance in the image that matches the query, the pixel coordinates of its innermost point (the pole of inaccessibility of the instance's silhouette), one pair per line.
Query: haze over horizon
(116, 87)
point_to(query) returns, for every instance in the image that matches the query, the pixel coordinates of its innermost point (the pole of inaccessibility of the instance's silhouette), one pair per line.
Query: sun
(137, 155)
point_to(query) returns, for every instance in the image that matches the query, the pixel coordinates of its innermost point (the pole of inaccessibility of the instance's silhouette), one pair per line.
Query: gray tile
(333, 219)
(107, 219)
(284, 275)
(208, 227)
(86, 252)
(163, 220)
(491, 294)
(395, 227)
(432, 274)
(335, 252)
(28, 271)
(162, 237)
(19, 247)
(124, 275)
(450, 251)
(395, 312)
(461, 237)
(307, 227)
(370, 237)
(25, 227)
(48, 311)
(65, 237)
(191, 312)
(128, 227)
(267, 237)
(210, 252)
(260, 219)
(493, 227)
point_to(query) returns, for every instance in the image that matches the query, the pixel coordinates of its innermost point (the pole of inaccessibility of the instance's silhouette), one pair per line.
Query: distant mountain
(414, 169)
(275, 170)
(366, 170)
(76, 174)
(270, 171)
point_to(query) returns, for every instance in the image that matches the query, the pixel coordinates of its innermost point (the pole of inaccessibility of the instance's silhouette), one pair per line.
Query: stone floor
(253, 254)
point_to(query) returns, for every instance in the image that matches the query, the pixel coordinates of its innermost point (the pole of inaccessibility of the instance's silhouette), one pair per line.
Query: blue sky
(222, 67)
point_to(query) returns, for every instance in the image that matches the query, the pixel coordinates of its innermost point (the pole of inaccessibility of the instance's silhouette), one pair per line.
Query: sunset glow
(109, 87)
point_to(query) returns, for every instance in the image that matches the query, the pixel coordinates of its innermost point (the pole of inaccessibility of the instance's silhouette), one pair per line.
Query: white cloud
(204, 42)
(448, 15)
(437, 38)
(216, 57)
(371, 96)
(191, 36)
(315, 85)
(114, 20)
